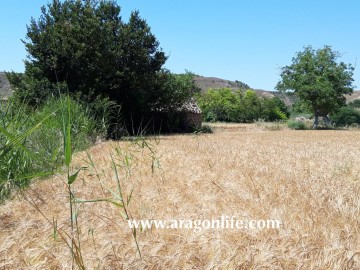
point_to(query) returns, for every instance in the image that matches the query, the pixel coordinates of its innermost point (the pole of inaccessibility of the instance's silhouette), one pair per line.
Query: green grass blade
(116, 176)
(34, 175)
(67, 138)
(15, 141)
(73, 177)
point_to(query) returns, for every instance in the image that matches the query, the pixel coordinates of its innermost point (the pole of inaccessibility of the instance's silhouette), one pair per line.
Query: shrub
(205, 129)
(31, 142)
(210, 117)
(297, 125)
(226, 105)
(355, 103)
(16, 159)
(274, 127)
(346, 116)
(84, 127)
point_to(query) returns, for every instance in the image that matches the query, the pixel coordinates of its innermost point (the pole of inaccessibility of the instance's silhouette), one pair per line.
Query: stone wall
(192, 121)
(5, 88)
(177, 122)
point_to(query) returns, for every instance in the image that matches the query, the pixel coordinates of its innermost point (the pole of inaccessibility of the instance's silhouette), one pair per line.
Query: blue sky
(245, 40)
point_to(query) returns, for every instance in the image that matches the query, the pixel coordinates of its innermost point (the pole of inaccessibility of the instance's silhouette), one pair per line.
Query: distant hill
(355, 95)
(205, 83)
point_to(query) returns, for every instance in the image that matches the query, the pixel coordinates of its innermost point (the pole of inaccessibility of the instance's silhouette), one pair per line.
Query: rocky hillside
(355, 95)
(204, 83)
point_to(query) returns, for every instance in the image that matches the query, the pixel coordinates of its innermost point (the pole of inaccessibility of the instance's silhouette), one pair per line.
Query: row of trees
(238, 106)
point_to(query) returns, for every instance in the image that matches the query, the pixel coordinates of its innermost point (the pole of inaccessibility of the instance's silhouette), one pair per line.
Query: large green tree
(319, 80)
(85, 47)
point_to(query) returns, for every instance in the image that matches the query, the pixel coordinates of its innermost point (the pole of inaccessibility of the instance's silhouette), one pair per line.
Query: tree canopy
(318, 79)
(85, 47)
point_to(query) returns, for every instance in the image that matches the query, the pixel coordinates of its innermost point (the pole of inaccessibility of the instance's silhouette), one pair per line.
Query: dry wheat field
(310, 180)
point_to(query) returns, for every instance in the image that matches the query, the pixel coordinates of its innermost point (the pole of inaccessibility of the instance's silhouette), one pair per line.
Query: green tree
(172, 90)
(75, 42)
(319, 80)
(273, 109)
(220, 105)
(252, 106)
(85, 47)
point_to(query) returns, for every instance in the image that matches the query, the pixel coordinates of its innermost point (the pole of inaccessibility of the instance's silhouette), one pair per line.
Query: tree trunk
(327, 121)
(316, 120)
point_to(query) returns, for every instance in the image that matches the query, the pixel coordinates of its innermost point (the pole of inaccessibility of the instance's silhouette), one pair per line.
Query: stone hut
(5, 87)
(192, 115)
(186, 118)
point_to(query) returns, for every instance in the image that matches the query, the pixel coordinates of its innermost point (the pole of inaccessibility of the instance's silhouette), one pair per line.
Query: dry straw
(310, 180)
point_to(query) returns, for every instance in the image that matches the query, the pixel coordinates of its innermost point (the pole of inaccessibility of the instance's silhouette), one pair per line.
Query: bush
(355, 103)
(84, 127)
(274, 127)
(297, 125)
(274, 109)
(346, 116)
(205, 129)
(31, 142)
(226, 105)
(210, 117)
